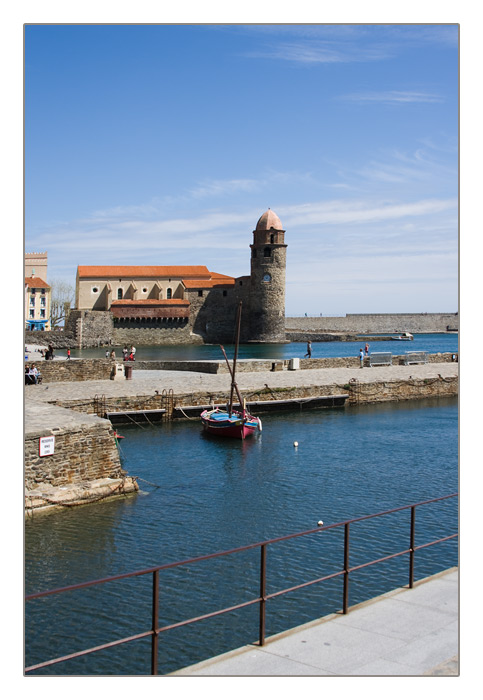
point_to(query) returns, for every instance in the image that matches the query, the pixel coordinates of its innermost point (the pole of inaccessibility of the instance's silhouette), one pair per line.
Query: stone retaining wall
(359, 392)
(77, 370)
(74, 370)
(82, 453)
(327, 362)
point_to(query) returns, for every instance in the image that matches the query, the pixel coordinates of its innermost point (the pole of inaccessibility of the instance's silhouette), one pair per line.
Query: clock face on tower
(266, 278)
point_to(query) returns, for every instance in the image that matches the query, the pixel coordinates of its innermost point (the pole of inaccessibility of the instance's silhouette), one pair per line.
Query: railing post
(345, 606)
(155, 624)
(411, 546)
(263, 585)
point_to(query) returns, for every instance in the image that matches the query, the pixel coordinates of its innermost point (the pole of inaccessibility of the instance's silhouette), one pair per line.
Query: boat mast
(237, 342)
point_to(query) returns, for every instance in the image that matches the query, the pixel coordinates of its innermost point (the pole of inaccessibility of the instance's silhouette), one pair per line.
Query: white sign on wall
(46, 446)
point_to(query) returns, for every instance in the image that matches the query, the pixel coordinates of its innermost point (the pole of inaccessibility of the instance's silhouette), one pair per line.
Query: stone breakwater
(375, 323)
(83, 466)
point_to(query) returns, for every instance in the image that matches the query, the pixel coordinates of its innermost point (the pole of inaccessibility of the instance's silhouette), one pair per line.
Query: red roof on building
(33, 282)
(217, 280)
(142, 271)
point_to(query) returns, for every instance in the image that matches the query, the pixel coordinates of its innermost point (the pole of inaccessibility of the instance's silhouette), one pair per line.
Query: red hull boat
(238, 424)
(229, 423)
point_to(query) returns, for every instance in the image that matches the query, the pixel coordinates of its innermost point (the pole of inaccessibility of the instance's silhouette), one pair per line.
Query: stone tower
(267, 280)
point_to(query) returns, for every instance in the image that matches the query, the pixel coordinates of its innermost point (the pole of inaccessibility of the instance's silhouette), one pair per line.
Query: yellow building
(37, 304)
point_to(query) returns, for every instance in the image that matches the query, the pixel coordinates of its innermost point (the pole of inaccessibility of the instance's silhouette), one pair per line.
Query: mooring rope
(178, 408)
(157, 486)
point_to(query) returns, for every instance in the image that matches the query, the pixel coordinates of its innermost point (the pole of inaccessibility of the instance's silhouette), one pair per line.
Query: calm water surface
(201, 495)
(431, 342)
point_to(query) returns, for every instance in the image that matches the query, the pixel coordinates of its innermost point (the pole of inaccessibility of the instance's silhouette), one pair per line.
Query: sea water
(201, 495)
(429, 342)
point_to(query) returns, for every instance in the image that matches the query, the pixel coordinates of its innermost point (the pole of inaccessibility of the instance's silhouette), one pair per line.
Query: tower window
(272, 238)
(267, 252)
(169, 293)
(224, 292)
(119, 293)
(200, 292)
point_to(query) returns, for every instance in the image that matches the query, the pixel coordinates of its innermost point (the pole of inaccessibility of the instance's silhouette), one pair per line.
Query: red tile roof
(216, 281)
(142, 271)
(33, 282)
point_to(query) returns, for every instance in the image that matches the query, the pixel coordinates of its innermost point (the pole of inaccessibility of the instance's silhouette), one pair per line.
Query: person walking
(366, 349)
(309, 350)
(68, 353)
(361, 357)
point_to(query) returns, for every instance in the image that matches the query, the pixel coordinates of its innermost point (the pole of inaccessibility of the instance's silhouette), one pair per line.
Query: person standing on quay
(361, 357)
(309, 350)
(366, 349)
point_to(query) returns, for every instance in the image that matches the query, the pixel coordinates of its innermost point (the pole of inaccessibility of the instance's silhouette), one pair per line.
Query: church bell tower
(267, 280)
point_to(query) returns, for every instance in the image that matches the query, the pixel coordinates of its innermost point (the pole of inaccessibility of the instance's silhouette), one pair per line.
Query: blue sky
(164, 144)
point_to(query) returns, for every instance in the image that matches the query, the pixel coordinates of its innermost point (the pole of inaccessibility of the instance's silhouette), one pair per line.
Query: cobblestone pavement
(145, 382)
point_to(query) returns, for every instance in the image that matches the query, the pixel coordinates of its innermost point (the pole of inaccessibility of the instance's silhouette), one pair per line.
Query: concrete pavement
(145, 382)
(406, 632)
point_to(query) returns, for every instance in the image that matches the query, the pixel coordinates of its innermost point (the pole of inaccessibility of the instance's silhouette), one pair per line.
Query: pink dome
(269, 220)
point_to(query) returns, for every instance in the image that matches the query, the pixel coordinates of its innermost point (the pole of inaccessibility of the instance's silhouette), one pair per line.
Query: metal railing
(263, 596)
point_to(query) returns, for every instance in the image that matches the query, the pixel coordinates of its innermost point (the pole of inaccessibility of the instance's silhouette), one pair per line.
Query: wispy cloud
(320, 52)
(358, 212)
(392, 97)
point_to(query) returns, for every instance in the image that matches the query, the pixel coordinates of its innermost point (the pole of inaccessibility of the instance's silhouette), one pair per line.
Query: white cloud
(392, 97)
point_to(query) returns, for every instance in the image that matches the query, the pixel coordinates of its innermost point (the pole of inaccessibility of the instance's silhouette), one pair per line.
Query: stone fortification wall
(56, 338)
(173, 333)
(375, 323)
(90, 328)
(213, 315)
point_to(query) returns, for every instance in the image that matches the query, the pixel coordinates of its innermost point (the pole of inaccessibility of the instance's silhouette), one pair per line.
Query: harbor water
(429, 342)
(201, 495)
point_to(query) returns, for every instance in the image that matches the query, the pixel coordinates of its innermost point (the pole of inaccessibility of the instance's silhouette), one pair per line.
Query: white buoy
(320, 523)
(295, 444)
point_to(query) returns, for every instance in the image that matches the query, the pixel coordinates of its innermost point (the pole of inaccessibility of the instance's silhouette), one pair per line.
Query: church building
(155, 304)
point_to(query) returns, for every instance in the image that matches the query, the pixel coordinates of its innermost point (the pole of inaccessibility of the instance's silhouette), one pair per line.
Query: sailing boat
(230, 423)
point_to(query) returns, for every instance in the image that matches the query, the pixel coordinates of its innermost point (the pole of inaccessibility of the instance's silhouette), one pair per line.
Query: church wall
(214, 314)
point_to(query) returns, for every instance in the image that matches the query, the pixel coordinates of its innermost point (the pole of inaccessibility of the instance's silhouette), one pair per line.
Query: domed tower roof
(269, 220)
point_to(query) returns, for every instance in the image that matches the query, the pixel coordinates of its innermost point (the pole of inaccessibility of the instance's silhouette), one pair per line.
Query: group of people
(32, 374)
(49, 353)
(363, 353)
(129, 355)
